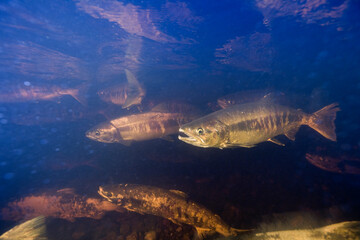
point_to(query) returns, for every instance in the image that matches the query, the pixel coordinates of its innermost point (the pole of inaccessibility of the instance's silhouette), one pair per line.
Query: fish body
(138, 127)
(246, 125)
(19, 93)
(349, 230)
(170, 204)
(343, 164)
(343, 230)
(116, 94)
(126, 94)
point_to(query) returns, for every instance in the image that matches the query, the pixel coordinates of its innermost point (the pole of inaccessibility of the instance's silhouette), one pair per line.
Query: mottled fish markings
(173, 205)
(246, 125)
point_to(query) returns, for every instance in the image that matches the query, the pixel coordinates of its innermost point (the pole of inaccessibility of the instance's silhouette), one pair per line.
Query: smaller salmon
(126, 94)
(19, 93)
(163, 120)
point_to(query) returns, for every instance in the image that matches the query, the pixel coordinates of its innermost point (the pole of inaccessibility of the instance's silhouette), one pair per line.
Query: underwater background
(180, 51)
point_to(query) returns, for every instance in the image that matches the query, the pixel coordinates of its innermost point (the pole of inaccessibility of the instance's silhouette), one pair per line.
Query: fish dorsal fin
(273, 140)
(161, 107)
(290, 134)
(178, 192)
(272, 97)
(66, 191)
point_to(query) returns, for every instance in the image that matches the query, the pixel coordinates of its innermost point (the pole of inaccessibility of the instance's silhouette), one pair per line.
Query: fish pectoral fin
(201, 233)
(178, 192)
(291, 133)
(273, 140)
(125, 142)
(174, 221)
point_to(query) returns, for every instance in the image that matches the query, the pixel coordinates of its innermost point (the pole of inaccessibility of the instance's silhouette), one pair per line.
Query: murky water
(93, 93)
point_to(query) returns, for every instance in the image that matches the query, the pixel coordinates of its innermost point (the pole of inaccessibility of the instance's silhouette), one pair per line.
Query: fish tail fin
(322, 121)
(131, 78)
(32, 229)
(79, 94)
(135, 91)
(347, 230)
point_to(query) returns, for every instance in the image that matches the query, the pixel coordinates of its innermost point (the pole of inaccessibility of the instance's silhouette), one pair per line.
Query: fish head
(202, 134)
(104, 132)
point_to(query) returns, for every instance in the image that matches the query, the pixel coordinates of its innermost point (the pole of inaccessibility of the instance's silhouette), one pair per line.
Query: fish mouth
(186, 137)
(90, 135)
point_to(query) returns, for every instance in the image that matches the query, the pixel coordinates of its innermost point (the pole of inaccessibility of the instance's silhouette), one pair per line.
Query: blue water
(193, 51)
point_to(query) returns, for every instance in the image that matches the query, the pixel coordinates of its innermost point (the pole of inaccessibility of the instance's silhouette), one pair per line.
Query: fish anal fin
(178, 192)
(290, 134)
(201, 233)
(273, 140)
(235, 231)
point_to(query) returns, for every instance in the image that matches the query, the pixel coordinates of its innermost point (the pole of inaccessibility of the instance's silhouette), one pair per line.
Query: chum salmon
(17, 93)
(163, 120)
(173, 205)
(246, 125)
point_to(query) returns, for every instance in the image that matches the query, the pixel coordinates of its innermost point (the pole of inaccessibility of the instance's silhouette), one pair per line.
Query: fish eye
(200, 131)
(97, 133)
